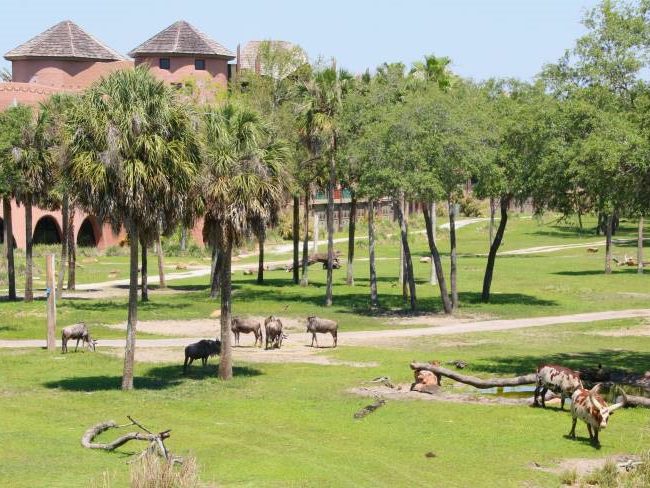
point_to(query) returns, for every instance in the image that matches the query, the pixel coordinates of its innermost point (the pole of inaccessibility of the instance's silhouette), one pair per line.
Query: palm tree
(12, 124)
(321, 102)
(133, 161)
(244, 186)
(35, 175)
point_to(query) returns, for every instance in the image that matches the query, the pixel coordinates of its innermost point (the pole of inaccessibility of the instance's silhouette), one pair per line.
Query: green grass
(293, 425)
(569, 281)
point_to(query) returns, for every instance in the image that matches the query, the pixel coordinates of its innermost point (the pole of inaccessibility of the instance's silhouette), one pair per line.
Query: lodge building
(65, 58)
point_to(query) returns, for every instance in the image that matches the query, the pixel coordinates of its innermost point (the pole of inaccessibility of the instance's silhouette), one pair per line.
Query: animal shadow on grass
(582, 440)
(157, 378)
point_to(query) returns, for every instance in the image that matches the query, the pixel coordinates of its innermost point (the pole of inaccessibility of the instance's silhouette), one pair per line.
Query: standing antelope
(77, 331)
(589, 406)
(558, 379)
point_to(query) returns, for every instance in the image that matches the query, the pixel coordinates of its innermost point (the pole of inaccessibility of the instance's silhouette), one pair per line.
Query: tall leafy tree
(133, 160)
(321, 102)
(244, 185)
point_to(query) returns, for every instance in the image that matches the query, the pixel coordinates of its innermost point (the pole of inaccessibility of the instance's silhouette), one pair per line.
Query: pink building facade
(65, 58)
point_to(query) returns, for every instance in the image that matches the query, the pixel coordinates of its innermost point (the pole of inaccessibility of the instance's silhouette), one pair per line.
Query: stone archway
(87, 234)
(47, 231)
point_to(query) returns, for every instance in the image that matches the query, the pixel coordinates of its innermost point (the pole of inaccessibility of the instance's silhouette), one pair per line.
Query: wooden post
(51, 301)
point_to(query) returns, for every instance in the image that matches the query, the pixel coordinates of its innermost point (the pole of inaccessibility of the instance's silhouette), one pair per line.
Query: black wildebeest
(321, 326)
(201, 350)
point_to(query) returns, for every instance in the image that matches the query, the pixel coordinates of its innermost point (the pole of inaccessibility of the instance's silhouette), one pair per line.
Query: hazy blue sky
(483, 38)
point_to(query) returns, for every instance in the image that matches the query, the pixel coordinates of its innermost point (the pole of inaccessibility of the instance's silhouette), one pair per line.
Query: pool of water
(608, 392)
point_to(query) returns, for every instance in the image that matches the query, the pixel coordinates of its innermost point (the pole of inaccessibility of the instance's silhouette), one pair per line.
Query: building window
(163, 63)
(199, 64)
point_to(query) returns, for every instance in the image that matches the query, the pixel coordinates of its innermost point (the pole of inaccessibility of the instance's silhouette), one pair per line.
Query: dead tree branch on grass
(528, 379)
(156, 441)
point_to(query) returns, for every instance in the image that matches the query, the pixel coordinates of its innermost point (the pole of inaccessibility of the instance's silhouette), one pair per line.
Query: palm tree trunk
(132, 320)
(144, 288)
(9, 246)
(492, 255)
(72, 253)
(340, 226)
(437, 262)
(352, 224)
(408, 263)
(374, 302)
(296, 239)
(330, 230)
(454, 260)
(316, 233)
(608, 244)
(29, 250)
(183, 243)
(639, 248)
(433, 225)
(260, 264)
(225, 363)
(161, 262)
(304, 281)
(64, 246)
(217, 264)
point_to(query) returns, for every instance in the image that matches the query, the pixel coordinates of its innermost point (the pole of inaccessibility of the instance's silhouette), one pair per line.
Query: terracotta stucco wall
(182, 67)
(63, 74)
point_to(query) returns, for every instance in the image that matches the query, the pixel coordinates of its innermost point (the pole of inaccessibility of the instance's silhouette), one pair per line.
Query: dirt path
(297, 339)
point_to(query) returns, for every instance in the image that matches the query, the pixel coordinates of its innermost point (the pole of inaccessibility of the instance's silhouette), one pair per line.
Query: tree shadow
(595, 272)
(157, 378)
(631, 361)
(471, 297)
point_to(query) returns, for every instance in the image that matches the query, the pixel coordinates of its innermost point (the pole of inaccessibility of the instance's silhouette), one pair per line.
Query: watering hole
(608, 391)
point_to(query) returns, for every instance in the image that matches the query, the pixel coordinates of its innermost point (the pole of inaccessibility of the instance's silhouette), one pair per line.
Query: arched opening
(86, 236)
(47, 231)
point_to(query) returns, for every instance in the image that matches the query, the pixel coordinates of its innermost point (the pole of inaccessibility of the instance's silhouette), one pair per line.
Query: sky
(484, 38)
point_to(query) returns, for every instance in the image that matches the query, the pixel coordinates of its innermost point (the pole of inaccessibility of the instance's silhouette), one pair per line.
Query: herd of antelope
(586, 405)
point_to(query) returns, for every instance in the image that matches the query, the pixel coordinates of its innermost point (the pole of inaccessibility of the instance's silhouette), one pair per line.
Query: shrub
(470, 206)
(605, 477)
(114, 251)
(569, 477)
(152, 471)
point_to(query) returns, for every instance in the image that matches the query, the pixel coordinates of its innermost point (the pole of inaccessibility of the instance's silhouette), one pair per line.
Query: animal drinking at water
(274, 333)
(322, 326)
(558, 379)
(589, 406)
(77, 331)
(246, 326)
(201, 350)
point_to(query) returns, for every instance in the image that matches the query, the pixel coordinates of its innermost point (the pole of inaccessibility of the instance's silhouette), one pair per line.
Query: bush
(115, 251)
(470, 206)
(152, 471)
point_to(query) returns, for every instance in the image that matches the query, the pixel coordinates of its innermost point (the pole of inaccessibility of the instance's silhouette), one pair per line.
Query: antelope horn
(595, 389)
(616, 406)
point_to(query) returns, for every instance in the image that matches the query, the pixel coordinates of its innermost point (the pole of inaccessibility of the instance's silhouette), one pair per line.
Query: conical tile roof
(181, 38)
(65, 40)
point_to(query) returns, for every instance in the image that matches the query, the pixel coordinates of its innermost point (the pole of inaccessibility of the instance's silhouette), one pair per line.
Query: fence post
(51, 301)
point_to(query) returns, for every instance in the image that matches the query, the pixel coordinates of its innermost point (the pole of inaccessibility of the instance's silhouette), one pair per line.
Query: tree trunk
(65, 210)
(351, 230)
(144, 275)
(404, 273)
(374, 302)
(432, 228)
(296, 239)
(161, 262)
(183, 243)
(400, 278)
(132, 320)
(217, 258)
(225, 363)
(304, 280)
(340, 226)
(330, 231)
(494, 248)
(260, 265)
(453, 275)
(407, 255)
(528, 379)
(493, 210)
(29, 249)
(9, 246)
(639, 248)
(72, 253)
(608, 244)
(435, 257)
(316, 233)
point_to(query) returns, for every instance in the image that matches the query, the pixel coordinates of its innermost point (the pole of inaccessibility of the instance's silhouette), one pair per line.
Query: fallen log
(528, 379)
(156, 441)
(320, 258)
(367, 410)
(634, 401)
